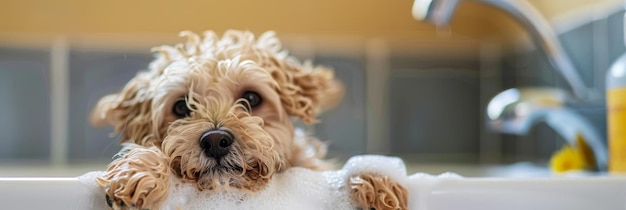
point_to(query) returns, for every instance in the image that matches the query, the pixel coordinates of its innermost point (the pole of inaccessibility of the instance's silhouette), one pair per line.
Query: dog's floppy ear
(129, 111)
(308, 91)
(304, 90)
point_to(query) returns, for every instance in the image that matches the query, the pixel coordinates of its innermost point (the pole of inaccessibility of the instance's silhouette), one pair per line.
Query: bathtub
(572, 192)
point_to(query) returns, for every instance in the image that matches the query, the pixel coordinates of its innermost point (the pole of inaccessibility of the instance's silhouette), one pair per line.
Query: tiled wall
(435, 103)
(25, 103)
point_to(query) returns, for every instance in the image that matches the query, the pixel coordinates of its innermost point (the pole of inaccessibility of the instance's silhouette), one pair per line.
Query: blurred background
(414, 89)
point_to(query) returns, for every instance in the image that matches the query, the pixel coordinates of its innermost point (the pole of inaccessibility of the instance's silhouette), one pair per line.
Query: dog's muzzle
(216, 143)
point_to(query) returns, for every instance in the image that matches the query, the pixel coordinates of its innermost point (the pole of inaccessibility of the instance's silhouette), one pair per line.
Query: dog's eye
(253, 98)
(181, 109)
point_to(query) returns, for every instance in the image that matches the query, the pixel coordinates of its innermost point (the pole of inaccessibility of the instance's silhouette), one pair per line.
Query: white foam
(96, 199)
(296, 188)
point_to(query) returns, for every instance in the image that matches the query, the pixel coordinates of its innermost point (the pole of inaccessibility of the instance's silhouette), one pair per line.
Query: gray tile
(24, 104)
(92, 76)
(434, 111)
(344, 126)
(579, 45)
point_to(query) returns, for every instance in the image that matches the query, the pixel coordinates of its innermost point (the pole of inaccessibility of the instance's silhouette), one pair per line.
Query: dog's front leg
(374, 191)
(137, 179)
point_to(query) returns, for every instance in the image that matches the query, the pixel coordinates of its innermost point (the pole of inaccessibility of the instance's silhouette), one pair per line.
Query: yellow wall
(361, 18)
(165, 15)
(354, 17)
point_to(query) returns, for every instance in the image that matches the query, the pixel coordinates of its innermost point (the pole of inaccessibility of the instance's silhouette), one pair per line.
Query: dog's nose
(216, 143)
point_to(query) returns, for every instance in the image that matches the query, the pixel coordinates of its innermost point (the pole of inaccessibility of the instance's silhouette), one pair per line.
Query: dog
(218, 112)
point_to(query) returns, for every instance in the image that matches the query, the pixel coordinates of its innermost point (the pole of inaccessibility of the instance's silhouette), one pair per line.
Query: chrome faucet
(439, 13)
(515, 111)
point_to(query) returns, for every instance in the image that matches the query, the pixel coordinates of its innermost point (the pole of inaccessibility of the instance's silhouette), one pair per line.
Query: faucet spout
(439, 13)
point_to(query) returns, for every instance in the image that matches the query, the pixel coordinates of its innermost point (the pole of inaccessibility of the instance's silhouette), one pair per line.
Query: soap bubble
(295, 188)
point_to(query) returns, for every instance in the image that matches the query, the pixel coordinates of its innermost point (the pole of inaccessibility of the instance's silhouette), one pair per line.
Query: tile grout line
(377, 70)
(59, 99)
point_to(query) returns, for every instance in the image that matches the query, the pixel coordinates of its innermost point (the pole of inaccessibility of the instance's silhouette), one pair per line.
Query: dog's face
(221, 108)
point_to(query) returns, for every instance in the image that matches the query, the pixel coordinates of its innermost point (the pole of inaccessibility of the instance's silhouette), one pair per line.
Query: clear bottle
(616, 114)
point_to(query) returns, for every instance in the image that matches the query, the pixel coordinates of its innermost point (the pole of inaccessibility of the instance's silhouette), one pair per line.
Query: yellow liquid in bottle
(616, 116)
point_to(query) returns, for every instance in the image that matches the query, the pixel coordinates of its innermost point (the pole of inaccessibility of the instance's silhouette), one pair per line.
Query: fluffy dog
(217, 112)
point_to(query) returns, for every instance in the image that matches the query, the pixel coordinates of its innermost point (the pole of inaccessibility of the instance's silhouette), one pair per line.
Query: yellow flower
(576, 158)
(567, 159)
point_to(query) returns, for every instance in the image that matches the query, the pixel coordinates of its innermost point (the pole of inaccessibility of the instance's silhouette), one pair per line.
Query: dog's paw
(138, 180)
(373, 191)
(117, 203)
(122, 201)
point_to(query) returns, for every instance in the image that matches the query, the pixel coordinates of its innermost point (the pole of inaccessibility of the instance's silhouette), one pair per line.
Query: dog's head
(221, 108)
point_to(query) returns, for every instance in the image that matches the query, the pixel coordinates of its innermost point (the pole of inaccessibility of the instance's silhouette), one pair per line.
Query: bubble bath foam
(299, 188)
